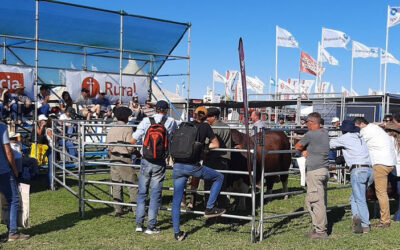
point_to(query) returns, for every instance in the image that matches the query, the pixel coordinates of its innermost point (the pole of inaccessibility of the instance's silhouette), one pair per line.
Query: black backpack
(155, 143)
(184, 144)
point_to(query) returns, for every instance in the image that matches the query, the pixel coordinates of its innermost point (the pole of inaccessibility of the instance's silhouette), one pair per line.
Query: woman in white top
(394, 131)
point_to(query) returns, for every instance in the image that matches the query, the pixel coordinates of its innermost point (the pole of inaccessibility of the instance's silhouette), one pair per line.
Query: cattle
(273, 140)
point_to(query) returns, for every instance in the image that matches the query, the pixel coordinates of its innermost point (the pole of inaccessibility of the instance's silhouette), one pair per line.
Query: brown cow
(273, 140)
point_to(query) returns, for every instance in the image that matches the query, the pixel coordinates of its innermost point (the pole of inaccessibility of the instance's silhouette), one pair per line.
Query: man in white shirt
(383, 158)
(256, 118)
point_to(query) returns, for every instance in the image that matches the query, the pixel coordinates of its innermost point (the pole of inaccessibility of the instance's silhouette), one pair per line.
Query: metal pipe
(301, 192)
(36, 71)
(253, 192)
(188, 75)
(121, 33)
(261, 226)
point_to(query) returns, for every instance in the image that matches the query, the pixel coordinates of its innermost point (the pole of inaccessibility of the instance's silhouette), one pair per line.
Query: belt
(359, 166)
(121, 155)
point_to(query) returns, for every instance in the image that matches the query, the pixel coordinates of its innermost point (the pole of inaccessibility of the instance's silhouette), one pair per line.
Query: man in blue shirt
(356, 155)
(8, 185)
(104, 103)
(152, 174)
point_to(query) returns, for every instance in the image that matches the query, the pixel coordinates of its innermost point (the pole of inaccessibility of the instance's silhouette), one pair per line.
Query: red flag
(309, 65)
(245, 104)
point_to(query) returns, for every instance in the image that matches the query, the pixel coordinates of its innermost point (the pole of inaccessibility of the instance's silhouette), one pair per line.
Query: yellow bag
(40, 156)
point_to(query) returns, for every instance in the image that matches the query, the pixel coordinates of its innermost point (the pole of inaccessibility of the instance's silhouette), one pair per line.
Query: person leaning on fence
(356, 155)
(394, 177)
(9, 185)
(122, 155)
(183, 168)
(152, 167)
(315, 146)
(383, 158)
(219, 160)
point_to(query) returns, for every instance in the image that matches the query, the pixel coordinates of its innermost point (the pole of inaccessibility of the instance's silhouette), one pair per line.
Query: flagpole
(276, 62)
(386, 50)
(380, 70)
(351, 70)
(269, 88)
(317, 76)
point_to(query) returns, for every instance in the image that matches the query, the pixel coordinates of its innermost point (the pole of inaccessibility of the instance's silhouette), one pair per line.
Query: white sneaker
(152, 231)
(139, 229)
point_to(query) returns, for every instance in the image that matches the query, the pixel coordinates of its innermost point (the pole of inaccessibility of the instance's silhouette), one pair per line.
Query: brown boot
(381, 224)
(357, 228)
(18, 236)
(316, 235)
(366, 230)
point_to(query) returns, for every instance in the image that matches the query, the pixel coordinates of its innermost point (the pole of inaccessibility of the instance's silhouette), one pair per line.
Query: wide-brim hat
(42, 118)
(391, 126)
(349, 126)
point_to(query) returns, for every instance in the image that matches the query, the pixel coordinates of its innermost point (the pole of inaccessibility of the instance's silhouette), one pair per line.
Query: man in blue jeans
(152, 174)
(356, 155)
(8, 184)
(181, 172)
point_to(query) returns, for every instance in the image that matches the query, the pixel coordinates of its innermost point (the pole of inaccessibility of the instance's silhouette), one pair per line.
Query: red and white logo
(92, 85)
(11, 80)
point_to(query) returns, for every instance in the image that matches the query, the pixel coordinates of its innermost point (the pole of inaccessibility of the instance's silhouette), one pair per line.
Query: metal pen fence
(92, 134)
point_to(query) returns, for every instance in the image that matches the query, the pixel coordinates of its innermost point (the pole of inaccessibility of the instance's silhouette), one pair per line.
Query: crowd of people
(371, 151)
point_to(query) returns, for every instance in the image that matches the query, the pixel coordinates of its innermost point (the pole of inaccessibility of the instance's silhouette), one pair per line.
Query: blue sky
(217, 26)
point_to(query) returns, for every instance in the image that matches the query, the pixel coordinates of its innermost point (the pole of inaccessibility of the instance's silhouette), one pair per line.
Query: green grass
(55, 224)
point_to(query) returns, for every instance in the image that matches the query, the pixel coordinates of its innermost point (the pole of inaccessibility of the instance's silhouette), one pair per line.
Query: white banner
(239, 91)
(334, 38)
(12, 76)
(321, 88)
(285, 89)
(285, 39)
(231, 76)
(332, 91)
(363, 51)
(326, 57)
(217, 77)
(388, 58)
(393, 16)
(76, 80)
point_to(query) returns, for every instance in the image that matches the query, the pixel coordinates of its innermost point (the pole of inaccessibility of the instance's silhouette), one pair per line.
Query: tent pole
(36, 71)
(121, 32)
(188, 75)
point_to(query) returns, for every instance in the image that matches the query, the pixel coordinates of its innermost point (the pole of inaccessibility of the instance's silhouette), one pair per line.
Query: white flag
(285, 39)
(326, 57)
(393, 16)
(321, 88)
(353, 93)
(231, 76)
(360, 50)
(334, 38)
(285, 89)
(217, 77)
(345, 92)
(254, 84)
(371, 91)
(388, 58)
(260, 85)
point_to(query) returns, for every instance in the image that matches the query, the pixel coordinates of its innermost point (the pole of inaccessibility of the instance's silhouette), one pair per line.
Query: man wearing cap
(121, 155)
(383, 158)
(356, 155)
(315, 147)
(43, 100)
(152, 174)
(20, 104)
(181, 172)
(218, 160)
(104, 103)
(85, 105)
(9, 185)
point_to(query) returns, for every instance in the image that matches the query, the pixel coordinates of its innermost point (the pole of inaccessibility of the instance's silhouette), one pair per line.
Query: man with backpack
(186, 146)
(154, 133)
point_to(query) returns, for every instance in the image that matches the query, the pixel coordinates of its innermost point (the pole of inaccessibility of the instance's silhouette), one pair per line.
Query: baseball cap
(201, 109)
(335, 119)
(162, 105)
(42, 118)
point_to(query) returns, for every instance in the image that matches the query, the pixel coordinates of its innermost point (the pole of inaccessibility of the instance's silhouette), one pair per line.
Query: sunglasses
(387, 120)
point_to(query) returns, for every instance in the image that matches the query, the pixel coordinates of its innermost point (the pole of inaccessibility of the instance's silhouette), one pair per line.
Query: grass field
(55, 224)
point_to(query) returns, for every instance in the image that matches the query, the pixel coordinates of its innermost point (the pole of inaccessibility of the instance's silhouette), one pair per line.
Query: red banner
(309, 65)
